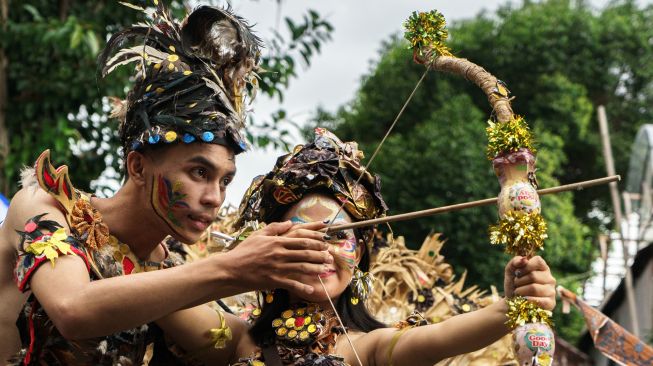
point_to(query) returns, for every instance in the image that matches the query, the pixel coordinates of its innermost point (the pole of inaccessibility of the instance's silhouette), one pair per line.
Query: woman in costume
(324, 180)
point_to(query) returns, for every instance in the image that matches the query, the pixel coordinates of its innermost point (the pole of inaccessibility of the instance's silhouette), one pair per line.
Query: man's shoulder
(46, 193)
(27, 203)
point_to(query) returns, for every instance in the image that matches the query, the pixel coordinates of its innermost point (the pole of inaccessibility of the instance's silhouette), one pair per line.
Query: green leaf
(92, 42)
(34, 12)
(76, 36)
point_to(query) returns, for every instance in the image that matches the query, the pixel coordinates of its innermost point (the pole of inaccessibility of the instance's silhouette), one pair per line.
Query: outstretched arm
(465, 333)
(80, 308)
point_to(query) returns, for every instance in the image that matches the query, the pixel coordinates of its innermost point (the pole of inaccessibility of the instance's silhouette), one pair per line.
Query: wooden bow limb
(460, 206)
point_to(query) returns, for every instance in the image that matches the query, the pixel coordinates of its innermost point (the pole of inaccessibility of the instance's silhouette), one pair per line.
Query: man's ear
(136, 167)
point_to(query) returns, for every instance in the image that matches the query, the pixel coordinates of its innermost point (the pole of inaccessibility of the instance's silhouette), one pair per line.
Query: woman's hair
(355, 317)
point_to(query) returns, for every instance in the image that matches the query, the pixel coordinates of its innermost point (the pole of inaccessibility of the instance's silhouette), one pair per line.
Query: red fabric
(28, 356)
(127, 265)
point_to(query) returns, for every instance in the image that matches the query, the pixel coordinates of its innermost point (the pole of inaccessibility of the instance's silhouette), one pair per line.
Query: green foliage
(280, 66)
(55, 99)
(560, 60)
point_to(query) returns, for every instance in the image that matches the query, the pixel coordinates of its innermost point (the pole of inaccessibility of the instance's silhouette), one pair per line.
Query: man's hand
(532, 279)
(266, 258)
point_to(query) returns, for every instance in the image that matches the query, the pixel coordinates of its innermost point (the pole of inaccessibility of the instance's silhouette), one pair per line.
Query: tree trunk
(4, 135)
(64, 6)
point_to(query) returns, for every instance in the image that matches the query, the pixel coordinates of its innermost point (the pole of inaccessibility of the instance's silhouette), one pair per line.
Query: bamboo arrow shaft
(461, 206)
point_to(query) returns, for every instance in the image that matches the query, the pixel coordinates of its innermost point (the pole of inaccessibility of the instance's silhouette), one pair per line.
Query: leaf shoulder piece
(56, 182)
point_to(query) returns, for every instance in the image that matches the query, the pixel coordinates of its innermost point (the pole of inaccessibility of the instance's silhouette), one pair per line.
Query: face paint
(167, 198)
(346, 250)
(317, 209)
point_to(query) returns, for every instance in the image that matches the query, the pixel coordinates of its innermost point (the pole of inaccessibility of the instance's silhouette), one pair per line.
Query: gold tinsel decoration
(426, 33)
(522, 311)
(508, 137)
(522, 233)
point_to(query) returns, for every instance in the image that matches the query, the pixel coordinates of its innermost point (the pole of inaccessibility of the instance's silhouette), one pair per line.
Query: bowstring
(378, 148)
(369, 162)
(351, 344)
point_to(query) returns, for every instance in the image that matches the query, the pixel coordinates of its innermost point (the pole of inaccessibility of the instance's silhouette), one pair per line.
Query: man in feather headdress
(180, 131)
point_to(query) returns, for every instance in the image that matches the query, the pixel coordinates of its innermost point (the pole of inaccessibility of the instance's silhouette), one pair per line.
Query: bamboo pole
(461, 206)
(616, 206)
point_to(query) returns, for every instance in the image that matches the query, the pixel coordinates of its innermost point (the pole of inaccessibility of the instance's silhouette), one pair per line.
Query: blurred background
(344, 65)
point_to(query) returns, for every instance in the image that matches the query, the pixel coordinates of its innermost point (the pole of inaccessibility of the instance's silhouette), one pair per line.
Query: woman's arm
(196, 331)
(465, 333)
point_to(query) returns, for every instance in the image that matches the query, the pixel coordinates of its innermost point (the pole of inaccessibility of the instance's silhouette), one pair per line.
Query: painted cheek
(169, 198)
(162, 192)
(346, 250)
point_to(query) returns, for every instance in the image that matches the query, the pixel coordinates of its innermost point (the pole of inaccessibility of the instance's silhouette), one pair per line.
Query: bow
(510, 148)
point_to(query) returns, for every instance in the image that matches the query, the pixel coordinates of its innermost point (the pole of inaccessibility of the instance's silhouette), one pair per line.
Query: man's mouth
(200, 222)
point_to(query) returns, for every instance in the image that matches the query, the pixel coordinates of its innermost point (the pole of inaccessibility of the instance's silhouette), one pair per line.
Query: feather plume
(192, 77)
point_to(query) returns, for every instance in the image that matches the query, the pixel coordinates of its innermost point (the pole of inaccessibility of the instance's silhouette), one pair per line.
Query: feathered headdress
(326, 164)
(192, 77)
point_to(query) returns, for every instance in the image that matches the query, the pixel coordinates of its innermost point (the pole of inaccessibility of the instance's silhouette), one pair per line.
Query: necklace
(303, 325)
(130, 262)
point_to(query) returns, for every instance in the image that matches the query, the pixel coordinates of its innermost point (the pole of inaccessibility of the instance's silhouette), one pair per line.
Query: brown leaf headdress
(325, 164)
(192, 77)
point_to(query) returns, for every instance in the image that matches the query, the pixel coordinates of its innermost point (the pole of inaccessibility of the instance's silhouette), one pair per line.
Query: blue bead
(208, 136)
(188, 138)
(136, 145)
(154, 139)
(242, 145)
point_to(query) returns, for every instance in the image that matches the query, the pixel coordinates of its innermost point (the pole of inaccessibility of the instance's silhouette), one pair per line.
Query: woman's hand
(532, 279)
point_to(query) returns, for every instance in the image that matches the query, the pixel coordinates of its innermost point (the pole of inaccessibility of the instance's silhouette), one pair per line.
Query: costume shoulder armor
(56, 182)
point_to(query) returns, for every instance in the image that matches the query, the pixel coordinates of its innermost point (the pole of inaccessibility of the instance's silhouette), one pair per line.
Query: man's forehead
(210, 154)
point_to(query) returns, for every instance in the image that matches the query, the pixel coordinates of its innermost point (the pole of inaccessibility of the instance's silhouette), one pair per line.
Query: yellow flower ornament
(51, 246)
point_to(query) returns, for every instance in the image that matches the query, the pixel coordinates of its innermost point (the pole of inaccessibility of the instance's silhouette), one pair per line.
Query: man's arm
(81, 308)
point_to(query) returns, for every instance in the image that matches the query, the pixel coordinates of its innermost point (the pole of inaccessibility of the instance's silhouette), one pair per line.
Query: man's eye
(226, 182)
(200, 172)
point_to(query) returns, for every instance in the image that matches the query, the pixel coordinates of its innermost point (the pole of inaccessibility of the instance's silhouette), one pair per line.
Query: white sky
(334, 75)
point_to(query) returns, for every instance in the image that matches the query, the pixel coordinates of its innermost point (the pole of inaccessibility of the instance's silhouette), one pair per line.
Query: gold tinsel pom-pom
(426, 32)
(522, 233)
(522, 311)
(508, 137)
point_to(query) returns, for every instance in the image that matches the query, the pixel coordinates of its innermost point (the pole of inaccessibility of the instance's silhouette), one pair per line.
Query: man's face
(187, 185)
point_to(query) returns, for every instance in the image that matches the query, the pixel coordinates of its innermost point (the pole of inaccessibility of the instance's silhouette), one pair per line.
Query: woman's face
(344, 248)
